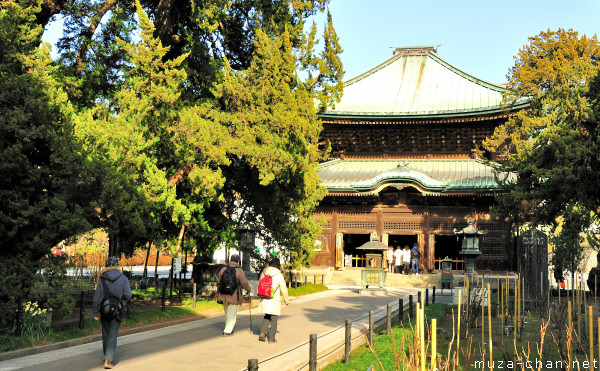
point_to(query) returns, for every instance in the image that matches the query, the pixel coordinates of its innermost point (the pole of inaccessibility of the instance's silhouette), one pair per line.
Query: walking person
(230, 280)
(272, 307)
(406, 256)
(112, 283)
(415, 254)
(390, 259)
(398, 260)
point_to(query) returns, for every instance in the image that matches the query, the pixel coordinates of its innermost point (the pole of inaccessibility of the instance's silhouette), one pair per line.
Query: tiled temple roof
(431, 176)
(416, 83)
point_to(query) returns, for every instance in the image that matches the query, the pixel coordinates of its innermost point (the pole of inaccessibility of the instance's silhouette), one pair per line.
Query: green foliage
(42, 188)
(34, 322)
(53, 274)
(553, 146)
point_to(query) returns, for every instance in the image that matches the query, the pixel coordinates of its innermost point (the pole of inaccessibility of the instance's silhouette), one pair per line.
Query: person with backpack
(270, 304)
(415, 254)
(110, 300)
(229, 280)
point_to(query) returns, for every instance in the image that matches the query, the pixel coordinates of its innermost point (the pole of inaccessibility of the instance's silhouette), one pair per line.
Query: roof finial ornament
(415, 50)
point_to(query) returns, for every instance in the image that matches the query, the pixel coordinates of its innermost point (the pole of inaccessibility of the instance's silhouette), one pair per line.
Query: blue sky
(481, 37)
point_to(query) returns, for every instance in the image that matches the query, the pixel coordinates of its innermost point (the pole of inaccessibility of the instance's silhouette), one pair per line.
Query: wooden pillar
(339, 250)
(333, 242)
(421, 245)
(379, 222)
(431, 252)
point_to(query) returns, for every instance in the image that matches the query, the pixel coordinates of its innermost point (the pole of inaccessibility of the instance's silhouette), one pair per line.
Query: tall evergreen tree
(41, 187)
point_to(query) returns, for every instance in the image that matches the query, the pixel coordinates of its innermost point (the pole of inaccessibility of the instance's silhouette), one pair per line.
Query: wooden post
(81, 310)
(417, 333)
(489, 298)
(322, 279)
(482, 316)
(458, 330)
(19, 328)
(171, 284)
(433, 343)
(591, 335)
(371, 327)
(389, 319)
(312, 359)
(179, 296)
(515, 316)
(253, 364)
(422, 330)
(194, 296)
(410, 306)
(305, 280)
(419, 299)
(400, 310)
(164, 297)
(348, 341)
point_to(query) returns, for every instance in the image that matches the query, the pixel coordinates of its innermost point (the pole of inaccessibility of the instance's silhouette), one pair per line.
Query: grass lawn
(394, 351)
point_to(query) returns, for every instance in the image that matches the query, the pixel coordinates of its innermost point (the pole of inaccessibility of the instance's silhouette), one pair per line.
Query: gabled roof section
(429, 176)
(416, 83)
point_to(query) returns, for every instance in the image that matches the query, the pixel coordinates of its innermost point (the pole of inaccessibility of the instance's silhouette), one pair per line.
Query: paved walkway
(199, 345)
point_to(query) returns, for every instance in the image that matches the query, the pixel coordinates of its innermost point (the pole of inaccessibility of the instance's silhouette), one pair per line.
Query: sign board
(348, 262)
(176, 265)
(533, 249)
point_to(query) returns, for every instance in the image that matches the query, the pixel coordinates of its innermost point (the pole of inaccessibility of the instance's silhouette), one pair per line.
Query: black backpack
(228, 283)
(110, 306)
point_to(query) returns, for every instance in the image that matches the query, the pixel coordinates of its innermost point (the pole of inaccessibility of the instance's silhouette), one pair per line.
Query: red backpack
(265, 287)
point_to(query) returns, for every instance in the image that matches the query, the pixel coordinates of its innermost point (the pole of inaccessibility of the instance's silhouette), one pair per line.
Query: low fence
(377, 321)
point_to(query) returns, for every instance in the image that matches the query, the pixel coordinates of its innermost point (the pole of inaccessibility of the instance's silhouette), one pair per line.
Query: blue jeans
(415, 266)
(110, 331)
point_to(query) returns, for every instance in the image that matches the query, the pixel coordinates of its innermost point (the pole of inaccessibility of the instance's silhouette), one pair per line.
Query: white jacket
(273, 305)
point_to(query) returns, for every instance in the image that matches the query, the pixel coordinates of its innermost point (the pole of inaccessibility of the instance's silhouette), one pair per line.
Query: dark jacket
(414, 253)
(117, 285)
(236, 297)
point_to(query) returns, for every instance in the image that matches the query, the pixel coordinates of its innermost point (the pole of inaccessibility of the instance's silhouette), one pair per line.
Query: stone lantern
(470, 245)
(447, 277)
(374, 275)
(246, 236)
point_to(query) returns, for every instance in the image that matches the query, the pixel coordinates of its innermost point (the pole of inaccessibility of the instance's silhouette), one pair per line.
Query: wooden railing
(457, 264)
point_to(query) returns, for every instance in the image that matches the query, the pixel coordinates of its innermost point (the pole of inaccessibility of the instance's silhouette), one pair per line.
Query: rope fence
(253, 364)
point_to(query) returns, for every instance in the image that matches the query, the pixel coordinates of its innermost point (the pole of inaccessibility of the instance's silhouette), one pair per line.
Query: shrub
(34, 321)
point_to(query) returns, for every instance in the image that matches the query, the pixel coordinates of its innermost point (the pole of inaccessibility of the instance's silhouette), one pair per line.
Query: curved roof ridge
(468, 75)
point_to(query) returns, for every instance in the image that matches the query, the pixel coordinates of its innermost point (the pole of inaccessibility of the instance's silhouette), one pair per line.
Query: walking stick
(250, 300)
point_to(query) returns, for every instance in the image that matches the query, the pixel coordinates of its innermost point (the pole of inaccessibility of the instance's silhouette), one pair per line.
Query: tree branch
(89, 33)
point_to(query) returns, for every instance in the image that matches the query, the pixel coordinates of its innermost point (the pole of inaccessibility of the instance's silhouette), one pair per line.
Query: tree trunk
(145, 274)
(180, 240)
(156, 268)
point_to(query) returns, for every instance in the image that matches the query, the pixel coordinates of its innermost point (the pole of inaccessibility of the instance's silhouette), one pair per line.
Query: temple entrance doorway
(402, 240)
(448, 246)
(354, 257)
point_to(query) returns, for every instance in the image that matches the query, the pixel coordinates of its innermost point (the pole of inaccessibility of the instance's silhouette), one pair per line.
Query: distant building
(404, 165)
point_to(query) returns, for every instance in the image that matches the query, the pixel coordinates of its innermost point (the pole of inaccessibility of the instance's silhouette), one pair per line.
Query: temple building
(406, 166)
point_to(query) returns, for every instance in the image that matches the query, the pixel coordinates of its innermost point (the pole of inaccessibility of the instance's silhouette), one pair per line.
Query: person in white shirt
(406, 259)
(390, 259)
(398, 258)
